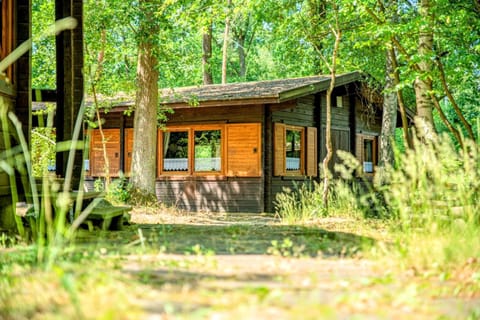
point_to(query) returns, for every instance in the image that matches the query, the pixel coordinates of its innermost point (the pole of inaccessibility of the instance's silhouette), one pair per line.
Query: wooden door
(244, 150)
(112, 148)
(128, 150)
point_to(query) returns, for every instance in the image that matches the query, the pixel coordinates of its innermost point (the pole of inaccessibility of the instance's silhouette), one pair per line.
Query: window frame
(361, 138)
(308, 151)
(160, 157)
(301, 170)
(191, 129)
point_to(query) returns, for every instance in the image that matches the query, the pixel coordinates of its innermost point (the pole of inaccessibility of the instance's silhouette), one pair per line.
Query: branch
(401, 102)
(452, 100)
(373, 15)
(445, 120)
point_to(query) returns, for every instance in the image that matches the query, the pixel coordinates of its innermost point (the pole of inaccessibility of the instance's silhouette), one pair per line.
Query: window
(207, 155)
(295, 150)
(339, 101)
(230, 149)
(187, 150)
(368, 156)
(367, 152)
(175, 151)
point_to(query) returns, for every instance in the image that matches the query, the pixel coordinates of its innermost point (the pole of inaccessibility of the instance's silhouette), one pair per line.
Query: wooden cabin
(16, 90)
(233, 147)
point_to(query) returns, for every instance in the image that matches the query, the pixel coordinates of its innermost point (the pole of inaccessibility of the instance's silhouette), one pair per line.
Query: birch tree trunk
(389, 118)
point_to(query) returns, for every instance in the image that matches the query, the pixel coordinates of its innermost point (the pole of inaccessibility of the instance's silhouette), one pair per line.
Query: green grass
(186, 271)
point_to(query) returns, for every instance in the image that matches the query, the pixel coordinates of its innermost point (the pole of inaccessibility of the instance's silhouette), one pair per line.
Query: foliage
(433, 198)
(49, 205)
(117, 192)
(431, 203)
(43, 51)
(435, 185)
(43, 146)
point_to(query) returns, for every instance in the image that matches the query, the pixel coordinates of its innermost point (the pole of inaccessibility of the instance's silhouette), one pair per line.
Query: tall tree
(207, 54)
(423, 82)
(337, 33)
(143, 171)
(225, 42)
(389, 116)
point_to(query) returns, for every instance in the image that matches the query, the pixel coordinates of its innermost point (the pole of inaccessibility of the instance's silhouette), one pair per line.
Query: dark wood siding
(297, 113)
(368, 118)
(203, 115)
(300, 112)
(340, 116)
(208, 194)
(340, 141)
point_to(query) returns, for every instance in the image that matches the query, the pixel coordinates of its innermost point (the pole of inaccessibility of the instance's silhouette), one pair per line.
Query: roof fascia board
(221, 103)
(319, 86)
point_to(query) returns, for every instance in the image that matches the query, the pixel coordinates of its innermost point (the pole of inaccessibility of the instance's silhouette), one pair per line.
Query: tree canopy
(279, 39)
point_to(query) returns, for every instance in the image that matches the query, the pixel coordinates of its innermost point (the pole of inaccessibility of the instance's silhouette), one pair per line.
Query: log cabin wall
(214, 193)
(342, 125)
(191, 192)
(301, 113)
(368, 119)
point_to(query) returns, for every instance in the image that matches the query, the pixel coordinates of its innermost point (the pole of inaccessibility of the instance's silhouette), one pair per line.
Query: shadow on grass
(282, 240)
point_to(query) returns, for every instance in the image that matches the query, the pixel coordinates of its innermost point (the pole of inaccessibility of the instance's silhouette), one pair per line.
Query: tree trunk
(207, 55)
(225, 43)
(328, 126)
(241, 55)
(144, 153)
(389, 118)
(423, 83)
(401, 104)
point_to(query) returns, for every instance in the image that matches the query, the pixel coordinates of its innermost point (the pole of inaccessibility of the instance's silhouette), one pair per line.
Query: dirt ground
(244, 266)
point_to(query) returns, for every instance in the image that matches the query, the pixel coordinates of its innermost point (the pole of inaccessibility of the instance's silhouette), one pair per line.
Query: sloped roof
(270, 91)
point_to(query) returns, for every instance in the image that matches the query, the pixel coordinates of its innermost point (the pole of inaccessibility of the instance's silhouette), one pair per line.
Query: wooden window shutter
(311, 152)
(279, 149)
(97, 161)
(128, 150)
(243, 156)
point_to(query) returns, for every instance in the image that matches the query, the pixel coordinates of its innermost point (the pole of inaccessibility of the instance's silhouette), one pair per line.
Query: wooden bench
(110, 216)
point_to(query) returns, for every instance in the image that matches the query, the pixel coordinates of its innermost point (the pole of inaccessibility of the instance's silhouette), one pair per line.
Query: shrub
(435, 184)
(433, 198)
